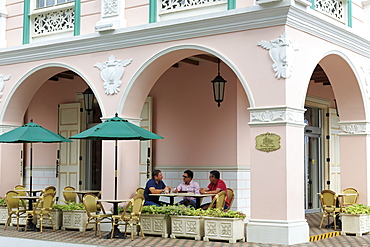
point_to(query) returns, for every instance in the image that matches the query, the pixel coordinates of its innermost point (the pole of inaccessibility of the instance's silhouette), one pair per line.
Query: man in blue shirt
(155, 186)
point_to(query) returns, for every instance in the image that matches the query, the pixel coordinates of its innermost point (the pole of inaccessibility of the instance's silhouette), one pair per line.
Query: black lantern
(219, 87)
(88, 100)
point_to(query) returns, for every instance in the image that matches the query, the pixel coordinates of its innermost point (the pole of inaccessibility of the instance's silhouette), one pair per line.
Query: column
(3, 16)
(112, 15)
(277, 176)
(354, 157)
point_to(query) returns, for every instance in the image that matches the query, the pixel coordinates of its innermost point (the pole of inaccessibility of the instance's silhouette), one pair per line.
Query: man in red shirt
(215, 186)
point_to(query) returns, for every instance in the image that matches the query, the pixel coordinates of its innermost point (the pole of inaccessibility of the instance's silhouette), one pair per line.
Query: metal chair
(69, 196)
(13, 206)
(329, 202)
(92, 206)
(130, 218)
(42, 209)
(218, 201)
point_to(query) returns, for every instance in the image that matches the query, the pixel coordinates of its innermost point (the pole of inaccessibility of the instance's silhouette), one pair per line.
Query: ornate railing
(175, 5)
(53, 20)
(336, 9)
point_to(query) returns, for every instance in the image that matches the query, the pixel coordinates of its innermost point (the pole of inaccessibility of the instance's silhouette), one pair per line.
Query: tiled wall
(42, 177)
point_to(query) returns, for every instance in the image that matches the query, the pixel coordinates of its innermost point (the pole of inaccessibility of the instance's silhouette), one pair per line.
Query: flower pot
(187, 226)
(155, 224)
(57, 217)
(231, 229)
(355, 224)
(3, 215)
(75, 219)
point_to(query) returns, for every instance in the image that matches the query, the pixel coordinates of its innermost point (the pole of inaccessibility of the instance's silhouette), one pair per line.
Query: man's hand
(175, 190)
(202, 191)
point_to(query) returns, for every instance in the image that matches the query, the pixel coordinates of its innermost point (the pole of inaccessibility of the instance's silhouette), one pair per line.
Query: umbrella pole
(30, 201)
(115, 171)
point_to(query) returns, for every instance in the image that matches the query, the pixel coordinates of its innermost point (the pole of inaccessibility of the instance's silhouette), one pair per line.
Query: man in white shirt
(188, 186)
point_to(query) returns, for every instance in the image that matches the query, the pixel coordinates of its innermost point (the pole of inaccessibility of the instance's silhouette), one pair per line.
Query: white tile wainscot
(75, 219)
(155, 224)
(56, 216)
(187, 226)
(355, 224)
(231, 229)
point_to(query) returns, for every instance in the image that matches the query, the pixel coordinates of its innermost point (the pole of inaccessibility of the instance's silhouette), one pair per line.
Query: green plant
(70, 206)
(2, 202)
(357, 209)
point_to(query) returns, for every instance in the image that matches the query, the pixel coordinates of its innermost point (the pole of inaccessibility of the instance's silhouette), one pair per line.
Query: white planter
(56, 216)
(22, 220)
(355, 224)
(3, 215)
(75, 219)
(187, 226)
(231, 229)
(155, 224)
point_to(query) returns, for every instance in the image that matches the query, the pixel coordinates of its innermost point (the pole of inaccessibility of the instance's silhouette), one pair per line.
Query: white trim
(354, 128)
(42, 66)
(7, 127)
(277, 231)
(276, 115)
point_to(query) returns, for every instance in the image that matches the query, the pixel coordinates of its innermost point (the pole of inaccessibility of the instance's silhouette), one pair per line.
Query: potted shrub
(3, 211)
(221, 225)
(74, 216)
(356, 219)
(156, 220)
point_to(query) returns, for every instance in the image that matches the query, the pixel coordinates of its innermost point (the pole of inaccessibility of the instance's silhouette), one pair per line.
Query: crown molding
(276, 115)
(354, 128)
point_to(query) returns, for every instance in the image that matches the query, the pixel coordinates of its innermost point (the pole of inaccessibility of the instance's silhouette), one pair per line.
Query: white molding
(276, 115)
(278, 231)
(353, 128)
(6, 128)
(3, 16)
(112, 15)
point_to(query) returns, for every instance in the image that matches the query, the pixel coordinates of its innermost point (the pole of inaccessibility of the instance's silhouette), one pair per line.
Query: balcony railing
(336, 9)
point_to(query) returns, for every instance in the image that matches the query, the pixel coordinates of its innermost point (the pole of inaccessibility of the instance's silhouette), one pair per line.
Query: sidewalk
(12, 238)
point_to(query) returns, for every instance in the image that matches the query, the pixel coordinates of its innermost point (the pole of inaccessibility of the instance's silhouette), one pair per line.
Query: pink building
(293, 121)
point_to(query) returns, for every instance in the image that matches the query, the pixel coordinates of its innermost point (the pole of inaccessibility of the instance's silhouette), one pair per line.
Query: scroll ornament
(3, 78)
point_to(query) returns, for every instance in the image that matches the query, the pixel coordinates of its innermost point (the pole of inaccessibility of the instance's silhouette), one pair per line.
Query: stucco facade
(271, 55)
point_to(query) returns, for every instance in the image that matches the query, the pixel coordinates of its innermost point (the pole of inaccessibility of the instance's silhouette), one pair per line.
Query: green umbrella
(116, 129)
(30, 133)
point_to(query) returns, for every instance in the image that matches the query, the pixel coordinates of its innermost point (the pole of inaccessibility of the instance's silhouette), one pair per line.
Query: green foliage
(2, 202)
(357, 209)
(70, 206)
(190, 211)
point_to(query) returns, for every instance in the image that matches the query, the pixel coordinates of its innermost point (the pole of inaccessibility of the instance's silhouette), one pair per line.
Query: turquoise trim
(26, 22)
(231, 4)
(77, 25)
(349, 4)
(152, 11)
(313, 4)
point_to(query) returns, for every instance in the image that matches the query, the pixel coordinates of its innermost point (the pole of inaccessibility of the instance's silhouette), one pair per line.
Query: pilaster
(112, 15)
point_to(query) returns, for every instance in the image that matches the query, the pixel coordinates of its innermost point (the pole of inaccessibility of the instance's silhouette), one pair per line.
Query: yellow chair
(230, 196)
(92, 206)
(69, 196)
(18, 189)
(218, 201)
(329, 201)
(140, 191)
(41, 210)
(12, 205)
(350, 199)
(49, 189)
(130, 218)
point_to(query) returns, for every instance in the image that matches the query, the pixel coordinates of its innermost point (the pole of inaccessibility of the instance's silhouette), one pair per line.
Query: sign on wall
(267, 142)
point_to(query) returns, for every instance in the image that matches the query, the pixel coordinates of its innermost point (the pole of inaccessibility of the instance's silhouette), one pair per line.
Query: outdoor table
(173, 195)
(116, 231)
(82, 193)
(28, 191)
(31, 199)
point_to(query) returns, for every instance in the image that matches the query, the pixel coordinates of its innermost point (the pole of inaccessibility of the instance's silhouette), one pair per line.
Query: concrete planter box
(155, 224)
(75, 219)
(57, 216)
(355, 224)
(231, 229)
(22, 220)
(3, 215)
(187, 226)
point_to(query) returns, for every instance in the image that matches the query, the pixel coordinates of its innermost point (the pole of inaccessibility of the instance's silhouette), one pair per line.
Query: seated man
(188, 186)
(155, 186)
(215, 186)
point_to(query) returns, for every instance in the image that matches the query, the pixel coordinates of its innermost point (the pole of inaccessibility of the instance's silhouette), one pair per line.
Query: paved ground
(12, 238)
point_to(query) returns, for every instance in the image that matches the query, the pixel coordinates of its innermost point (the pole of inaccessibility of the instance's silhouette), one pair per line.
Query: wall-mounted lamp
(218, 86)
(88, 100)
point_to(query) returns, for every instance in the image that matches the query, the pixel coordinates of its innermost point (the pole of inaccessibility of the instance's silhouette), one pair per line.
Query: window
(48, 3)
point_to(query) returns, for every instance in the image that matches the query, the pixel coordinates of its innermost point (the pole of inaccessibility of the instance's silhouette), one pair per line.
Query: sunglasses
(184, 176)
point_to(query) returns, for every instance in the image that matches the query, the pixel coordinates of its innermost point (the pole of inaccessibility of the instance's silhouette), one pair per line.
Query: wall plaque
(268, 142)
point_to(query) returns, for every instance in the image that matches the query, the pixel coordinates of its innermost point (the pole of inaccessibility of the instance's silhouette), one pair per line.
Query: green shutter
(152, 11)
(349, 4)
(77, 26)
(26, 22)
(313, 4)
(231, 4)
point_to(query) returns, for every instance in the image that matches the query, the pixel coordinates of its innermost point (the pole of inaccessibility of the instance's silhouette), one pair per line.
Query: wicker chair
(218, 201)
(130, 218)
(140, 191)
(42, 209)
(351, 198)
(230, 196)
(13, 205)
(329, 201)
(69, 196)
